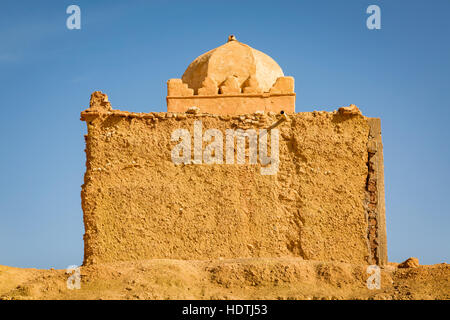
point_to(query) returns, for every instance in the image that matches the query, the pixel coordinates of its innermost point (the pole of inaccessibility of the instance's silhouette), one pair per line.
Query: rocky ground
(281, 278)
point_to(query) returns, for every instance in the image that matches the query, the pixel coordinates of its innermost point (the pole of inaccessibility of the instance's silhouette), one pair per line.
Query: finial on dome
(231, 38)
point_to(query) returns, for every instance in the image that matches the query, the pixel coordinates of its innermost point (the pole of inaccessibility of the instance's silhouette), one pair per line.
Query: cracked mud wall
(139, 205)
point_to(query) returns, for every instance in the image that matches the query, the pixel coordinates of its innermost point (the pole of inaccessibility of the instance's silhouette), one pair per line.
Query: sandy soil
(274, 278)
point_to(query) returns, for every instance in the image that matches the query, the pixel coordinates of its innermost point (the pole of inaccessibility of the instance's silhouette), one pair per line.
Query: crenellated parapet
(177, 88)
(283, 85)
(231, 97)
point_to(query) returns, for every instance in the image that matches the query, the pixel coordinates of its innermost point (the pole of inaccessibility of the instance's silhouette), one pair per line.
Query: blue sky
(129, 49)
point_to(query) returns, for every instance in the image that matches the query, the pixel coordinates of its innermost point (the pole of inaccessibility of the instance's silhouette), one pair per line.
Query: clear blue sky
(128, 49)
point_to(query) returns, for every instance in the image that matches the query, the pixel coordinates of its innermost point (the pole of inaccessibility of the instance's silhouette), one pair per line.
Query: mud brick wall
(320, 205)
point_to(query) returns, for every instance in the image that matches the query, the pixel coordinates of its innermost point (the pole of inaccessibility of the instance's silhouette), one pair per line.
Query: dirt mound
(256, 278)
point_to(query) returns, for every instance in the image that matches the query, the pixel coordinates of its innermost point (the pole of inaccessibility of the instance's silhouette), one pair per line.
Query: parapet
(230, 98)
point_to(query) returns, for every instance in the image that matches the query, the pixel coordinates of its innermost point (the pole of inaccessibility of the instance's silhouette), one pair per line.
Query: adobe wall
(324, 203)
